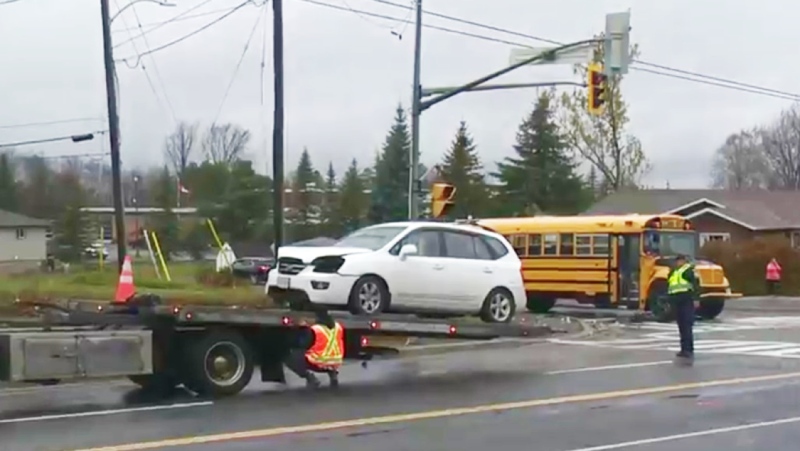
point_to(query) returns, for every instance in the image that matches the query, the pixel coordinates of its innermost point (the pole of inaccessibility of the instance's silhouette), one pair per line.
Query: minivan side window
(496, 246)
(459, 245)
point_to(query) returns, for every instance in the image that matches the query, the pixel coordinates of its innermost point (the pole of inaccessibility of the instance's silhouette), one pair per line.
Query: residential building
(22, 239)
(716, 214)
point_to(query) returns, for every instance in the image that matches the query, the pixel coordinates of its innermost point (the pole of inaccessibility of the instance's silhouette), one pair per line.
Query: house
(716, 214)
(22, 239)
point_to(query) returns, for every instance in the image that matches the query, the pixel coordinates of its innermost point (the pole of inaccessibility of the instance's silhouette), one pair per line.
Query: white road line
(100, 413)
(707, 432)
(608, 367)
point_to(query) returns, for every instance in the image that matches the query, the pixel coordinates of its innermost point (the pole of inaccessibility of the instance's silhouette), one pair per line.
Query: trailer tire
(498, 307)
(218, 363)
(540, 304)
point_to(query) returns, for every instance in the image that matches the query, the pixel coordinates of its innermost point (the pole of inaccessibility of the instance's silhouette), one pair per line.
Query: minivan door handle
(438, 266)
(488, 270)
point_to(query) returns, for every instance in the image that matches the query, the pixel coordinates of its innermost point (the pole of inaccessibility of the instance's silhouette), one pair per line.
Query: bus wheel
(710, 309)
(539, 303)
(658, 303)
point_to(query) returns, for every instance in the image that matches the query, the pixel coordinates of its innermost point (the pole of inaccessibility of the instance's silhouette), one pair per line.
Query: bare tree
(741, 162)
(179, 145)
(225, 143)
(782, 148)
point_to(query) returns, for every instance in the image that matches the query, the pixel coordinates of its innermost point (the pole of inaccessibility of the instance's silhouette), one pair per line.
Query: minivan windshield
(372, 238)
(670, 244)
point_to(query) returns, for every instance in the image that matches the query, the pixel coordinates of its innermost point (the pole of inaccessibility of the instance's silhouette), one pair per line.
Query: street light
(113, 122)
(157, 2)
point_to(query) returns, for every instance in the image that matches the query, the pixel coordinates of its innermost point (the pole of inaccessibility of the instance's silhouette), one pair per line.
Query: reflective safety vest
(677, 284)
(328, 348)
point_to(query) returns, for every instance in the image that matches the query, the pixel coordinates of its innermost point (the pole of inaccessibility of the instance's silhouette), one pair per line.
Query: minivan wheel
(498, 307)
(369, 296)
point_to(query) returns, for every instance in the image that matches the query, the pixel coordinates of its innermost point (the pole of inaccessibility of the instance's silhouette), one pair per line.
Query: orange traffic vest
(773, 271)
(328, 348)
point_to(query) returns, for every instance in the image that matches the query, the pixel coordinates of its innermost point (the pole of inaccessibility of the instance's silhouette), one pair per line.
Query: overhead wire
(48, 140)
(219, 19)
(238, 66)
(45, 123)
(153, 25)
(144, 32)
(721, 82)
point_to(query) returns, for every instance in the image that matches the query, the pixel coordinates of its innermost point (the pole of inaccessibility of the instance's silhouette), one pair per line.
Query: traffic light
(598, 89)
(442, 195)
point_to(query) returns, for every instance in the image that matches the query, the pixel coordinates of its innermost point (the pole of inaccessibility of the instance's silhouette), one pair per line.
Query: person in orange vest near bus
(773, 276)
(321, 349)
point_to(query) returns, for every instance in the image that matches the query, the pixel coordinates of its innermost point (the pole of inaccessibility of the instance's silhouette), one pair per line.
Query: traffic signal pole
(419, 105)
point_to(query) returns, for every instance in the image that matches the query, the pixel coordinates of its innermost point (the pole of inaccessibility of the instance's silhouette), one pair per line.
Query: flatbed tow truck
(210, 350)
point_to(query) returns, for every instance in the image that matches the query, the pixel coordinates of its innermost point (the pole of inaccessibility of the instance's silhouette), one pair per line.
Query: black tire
(498, 307)
(603, 301)
(369, 296)
(658, 303)
(158, 382)
(710, 309)
(539, 304)
(201, 374)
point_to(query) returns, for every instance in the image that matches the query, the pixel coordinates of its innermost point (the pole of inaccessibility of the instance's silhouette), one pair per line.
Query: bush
(745, 264)
(209, 277)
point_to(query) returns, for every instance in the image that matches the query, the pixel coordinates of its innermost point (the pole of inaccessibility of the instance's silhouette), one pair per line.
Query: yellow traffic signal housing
(598, 89)
(442, 195)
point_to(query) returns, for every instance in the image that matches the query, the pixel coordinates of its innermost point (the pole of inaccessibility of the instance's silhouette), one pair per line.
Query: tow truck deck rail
(212, 350)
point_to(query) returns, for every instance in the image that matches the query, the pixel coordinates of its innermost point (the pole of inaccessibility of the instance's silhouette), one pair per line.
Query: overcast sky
(345, 74)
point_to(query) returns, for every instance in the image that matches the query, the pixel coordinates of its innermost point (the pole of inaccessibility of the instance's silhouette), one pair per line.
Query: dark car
(254, 268)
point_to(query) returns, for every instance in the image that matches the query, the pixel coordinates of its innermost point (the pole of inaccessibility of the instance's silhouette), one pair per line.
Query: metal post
(277, 123)
(113, 135)
(416, 110)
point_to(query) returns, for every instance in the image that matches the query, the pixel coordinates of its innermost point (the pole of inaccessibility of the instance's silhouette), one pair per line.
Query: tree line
(562, 160)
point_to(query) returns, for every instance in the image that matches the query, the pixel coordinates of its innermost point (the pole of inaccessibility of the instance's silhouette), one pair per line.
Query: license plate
(283, 282)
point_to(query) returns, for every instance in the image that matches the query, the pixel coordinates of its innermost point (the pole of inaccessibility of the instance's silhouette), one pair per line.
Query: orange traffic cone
(125, 287)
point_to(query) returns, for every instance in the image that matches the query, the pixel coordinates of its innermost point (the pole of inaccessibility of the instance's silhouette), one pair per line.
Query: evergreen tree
(8, 184)
(542, 177)
(330, 214)
(389, 200)
(304, 188)
(352, 199)
(462, 168)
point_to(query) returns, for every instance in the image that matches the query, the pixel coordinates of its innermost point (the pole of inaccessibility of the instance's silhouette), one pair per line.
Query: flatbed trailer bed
(211, 350)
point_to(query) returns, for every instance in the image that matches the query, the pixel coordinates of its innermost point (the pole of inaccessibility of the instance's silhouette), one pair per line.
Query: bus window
(535, 244)
(583, 244)
(550, 244)
(600, 245)
(668, 244)
(567, 244)
(519, 243)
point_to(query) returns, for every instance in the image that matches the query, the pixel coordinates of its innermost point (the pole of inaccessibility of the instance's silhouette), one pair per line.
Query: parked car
(94, 250)
(415, 267)
(253, 268)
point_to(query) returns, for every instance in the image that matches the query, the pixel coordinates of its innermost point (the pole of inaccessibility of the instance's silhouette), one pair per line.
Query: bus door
(628, 268)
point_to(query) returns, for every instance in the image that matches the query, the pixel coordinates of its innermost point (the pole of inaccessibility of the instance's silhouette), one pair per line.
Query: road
(614, 390)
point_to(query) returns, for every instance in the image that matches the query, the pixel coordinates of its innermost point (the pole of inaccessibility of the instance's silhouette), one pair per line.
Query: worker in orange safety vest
(773, 275)
(321, 349)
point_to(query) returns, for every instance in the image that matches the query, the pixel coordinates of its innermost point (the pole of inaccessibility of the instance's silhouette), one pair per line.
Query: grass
(93, 284)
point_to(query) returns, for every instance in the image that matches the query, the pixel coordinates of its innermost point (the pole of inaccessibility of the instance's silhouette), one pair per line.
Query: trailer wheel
(369, 296)
(498, 307)
(218, 363)
(540, 304)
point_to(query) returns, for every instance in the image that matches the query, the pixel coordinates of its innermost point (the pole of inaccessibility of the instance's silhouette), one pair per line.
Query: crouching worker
(320, 349)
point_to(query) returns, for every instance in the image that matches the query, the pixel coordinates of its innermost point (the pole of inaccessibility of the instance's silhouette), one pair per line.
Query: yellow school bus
(608, 261)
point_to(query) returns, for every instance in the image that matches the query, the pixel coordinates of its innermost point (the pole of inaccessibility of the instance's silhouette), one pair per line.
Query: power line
(59, 138)
(189, 35)
(238, 66)
(155, 68)
(161, 24)
(723, 82)
(63, 121)
(173, 20)
(7, 2)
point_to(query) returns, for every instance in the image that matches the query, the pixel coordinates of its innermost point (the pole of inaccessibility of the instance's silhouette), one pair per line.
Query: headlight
(327, 264)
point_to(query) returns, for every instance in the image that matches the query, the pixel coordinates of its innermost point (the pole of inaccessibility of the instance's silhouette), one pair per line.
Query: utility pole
(277, 124)
(416, 111)
(113, 135)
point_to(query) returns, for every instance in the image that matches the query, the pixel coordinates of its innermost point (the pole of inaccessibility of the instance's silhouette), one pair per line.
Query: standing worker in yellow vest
(321, 349)
(682, 283)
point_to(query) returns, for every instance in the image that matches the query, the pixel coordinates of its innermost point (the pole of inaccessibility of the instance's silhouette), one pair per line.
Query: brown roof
(9, 219)
(755, 209)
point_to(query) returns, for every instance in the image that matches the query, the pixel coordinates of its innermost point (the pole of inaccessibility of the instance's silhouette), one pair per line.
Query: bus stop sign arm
(544, 56)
